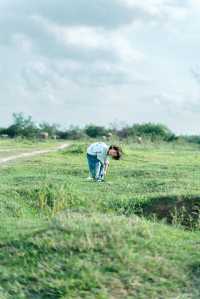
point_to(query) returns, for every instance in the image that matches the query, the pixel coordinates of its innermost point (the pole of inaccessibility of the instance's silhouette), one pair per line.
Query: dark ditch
(176, 210)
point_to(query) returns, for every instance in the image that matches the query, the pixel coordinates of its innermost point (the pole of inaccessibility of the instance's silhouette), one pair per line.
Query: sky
(101, 61)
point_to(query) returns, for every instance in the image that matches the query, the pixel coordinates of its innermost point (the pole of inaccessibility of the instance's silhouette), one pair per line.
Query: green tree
(22, 126)
(95, 131)
(150, 130)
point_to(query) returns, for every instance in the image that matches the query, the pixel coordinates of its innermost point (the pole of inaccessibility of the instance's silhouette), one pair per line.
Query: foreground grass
(98, 256)
(62, 237)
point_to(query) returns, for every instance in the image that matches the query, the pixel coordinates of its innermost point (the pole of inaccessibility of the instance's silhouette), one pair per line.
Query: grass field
(134, 236)
(15, 147)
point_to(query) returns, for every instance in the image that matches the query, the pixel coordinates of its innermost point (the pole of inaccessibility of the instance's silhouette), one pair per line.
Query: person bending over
(97, 156)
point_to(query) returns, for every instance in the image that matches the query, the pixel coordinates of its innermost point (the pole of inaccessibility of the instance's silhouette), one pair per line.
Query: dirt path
(32, 154)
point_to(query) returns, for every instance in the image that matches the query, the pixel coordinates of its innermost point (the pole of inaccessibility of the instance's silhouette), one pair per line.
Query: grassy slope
(62, 237)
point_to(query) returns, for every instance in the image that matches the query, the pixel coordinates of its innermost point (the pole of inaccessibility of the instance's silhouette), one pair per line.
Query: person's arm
(106, 166)
(102, 155)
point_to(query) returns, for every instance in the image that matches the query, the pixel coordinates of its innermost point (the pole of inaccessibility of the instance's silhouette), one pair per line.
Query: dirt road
(32, 154)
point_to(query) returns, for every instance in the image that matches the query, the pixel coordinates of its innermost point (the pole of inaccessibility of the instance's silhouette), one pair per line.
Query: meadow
(134, 236)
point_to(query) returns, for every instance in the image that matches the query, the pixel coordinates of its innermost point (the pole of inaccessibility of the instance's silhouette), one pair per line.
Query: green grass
(63, 237)
(9, 147)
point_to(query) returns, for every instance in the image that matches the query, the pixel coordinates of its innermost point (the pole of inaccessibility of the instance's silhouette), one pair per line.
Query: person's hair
(118, 151)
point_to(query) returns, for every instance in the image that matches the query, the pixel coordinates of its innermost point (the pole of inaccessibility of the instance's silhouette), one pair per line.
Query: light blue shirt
(100, 150)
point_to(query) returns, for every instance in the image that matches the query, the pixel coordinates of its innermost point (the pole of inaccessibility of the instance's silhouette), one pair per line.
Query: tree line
(25, 127)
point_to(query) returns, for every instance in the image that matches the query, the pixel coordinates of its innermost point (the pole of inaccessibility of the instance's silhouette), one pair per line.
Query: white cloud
(95, 38)
(94, 55)
(79, 36)
(195, 71)
(179, 102)
(159, 8)
(22, 42)
(101, 60)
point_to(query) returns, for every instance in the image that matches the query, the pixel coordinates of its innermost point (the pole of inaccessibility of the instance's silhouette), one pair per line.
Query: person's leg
(96, 168)
(100, 172)
(92, 166)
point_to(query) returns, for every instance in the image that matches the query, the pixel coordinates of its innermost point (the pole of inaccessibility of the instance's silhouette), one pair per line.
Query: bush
(76, 149)
(191, 139)
(75, 133)
(63, 134)
(95, 131)
(154, 131)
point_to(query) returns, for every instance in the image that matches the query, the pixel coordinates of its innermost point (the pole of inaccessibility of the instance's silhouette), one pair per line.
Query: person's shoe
(100, 181)
(89, 179)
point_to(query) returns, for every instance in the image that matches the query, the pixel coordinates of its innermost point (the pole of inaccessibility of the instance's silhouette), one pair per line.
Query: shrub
(154, 131)
(191, 139)
(95, 131)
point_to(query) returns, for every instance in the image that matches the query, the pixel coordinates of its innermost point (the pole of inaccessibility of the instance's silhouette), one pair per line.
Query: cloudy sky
(101, 61)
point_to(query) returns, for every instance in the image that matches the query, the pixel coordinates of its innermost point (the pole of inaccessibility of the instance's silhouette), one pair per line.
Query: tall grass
(51, 198)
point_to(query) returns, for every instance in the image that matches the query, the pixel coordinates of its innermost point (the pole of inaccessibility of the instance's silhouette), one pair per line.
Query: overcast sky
(101, 61)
